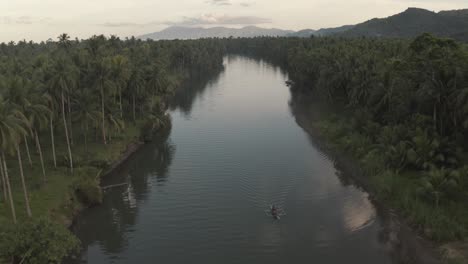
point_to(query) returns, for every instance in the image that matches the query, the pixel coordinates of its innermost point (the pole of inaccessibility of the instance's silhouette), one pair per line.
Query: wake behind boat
(275, 211)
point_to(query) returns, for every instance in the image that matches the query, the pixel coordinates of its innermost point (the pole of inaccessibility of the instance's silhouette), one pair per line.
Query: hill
(305, 33)
(331, 31)
(415, 21)
(408, 24)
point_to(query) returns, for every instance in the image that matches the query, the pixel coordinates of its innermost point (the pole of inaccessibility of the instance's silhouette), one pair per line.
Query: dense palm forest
(68, 108)
(403, 114)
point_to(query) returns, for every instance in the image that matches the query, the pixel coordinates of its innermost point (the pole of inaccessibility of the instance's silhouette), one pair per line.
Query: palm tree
(8, 186)
(62, 80)
(439, 182)
(120, 75)
(64, 40)
(3, 180)
(23, 182)
(37, 115)
(135, 86)
(12, 128)
(103, 83)
(114, 122)
(51, 105)
(17, 93)
(86, 111)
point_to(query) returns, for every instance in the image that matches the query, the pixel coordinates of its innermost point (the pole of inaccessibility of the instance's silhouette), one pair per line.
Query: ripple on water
(236, 151)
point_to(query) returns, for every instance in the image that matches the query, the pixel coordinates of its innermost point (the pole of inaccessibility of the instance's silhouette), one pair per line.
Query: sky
(43, 19)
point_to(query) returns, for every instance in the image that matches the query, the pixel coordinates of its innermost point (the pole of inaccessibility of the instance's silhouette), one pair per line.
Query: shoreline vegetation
(71, 110)
(403, 114)
(403, 241)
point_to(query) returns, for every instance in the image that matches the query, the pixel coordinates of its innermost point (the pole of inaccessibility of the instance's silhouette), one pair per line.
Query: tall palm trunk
(134, 115)
(4, 187)
(27, 149)
(86, 135)
(23, 182)
(39, 149)
(52, 138)
(66, 132)
(10, 196)
(103, 115)
(120, 102)
(70, 125)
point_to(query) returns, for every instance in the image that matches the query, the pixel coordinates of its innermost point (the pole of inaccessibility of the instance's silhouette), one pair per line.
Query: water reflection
(356, 213)
(200, 192)
(189, 91)
(119, 211)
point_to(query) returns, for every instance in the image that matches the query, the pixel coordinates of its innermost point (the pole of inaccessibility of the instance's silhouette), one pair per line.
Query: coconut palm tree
(120, 76)
(18, 89)
(63, 78)
(87, 111)
(23, 181)
(3, 180)
(12, 128)
(64, 41)
(135, 86)
(103, 83)
(438, 183)
(37, 114)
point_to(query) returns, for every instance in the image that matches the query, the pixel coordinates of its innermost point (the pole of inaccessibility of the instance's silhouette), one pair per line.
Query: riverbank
(406, 243)
(64, 195)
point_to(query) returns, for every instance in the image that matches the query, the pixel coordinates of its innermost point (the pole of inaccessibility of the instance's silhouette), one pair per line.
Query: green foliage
(87, 187)
(438, 184)
(76, 105)
(36, 241)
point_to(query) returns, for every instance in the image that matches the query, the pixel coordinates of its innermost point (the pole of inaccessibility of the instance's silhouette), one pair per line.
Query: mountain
(214, 32)
(331, 31)
(415, 21)
(408, 24)
(305, 33)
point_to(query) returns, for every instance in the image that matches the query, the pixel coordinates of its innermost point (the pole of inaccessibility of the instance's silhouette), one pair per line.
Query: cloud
(212, 19)
(219, 2)
(23, 20)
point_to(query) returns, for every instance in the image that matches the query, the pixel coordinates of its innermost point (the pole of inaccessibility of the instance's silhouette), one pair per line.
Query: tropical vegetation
(401, 111)
(68, 109)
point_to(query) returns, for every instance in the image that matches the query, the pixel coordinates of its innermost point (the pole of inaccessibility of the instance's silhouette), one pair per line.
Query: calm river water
(199, 194)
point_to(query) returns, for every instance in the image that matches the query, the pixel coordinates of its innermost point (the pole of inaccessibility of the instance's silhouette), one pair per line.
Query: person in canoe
(274, 211)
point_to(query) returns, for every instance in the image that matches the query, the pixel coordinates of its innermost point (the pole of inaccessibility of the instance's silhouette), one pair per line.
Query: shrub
(87, 188)
(36, 241)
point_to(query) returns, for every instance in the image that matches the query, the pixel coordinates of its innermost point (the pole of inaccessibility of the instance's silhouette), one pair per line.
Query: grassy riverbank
(85, 95)
(405, 118)
(56, 199)
(64, 194)
(399, 190)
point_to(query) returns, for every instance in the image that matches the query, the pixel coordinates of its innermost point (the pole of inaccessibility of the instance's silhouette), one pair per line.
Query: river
(199, 193)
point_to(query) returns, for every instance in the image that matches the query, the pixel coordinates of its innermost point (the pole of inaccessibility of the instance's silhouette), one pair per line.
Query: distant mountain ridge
(305, 33)
(410, 23)
(413, 22)
(215, 32)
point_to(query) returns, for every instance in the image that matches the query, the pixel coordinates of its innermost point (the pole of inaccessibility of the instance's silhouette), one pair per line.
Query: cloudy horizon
(43, 19)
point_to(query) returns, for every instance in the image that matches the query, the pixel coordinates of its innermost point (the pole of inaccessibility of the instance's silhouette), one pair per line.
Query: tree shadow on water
(185, 96)
(109, 225)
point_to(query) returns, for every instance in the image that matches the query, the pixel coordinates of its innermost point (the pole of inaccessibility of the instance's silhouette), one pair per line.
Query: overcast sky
(42, 19)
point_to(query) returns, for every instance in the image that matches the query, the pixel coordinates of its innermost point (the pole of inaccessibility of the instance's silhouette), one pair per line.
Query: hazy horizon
(40, 20)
